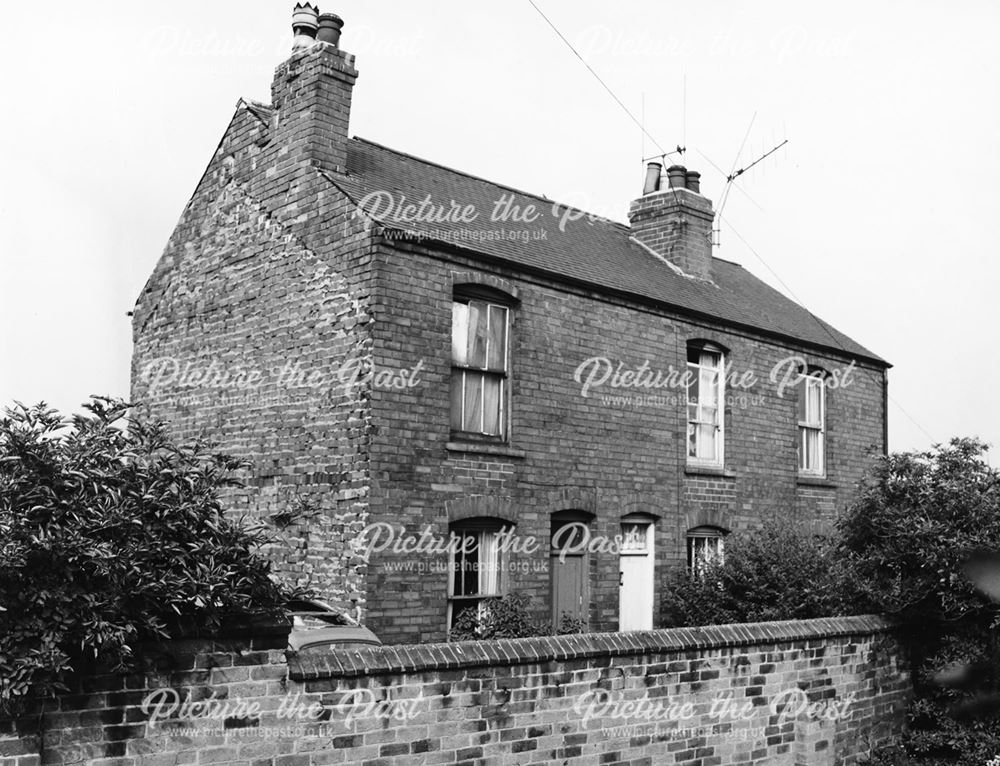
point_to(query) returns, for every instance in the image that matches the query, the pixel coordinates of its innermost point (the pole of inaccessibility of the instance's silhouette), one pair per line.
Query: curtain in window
(703, 407)
(811, 416)
(466, 564)
(489, 563)
(704, 549)
(457, 399)
(810, 449)
(708, 404)
(469, 337)
(479, 344)
(473, 418)
(497, 357)
(477, 335)
(477, 563)
(491, 404)
(811, 403)
(460, 333)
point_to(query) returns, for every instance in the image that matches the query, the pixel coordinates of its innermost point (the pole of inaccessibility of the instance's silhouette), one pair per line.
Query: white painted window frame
(706, 535)
(718, 461)
(815, 380)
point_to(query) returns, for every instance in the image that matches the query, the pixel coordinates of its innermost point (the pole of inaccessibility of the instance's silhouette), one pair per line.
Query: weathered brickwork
(253, 332)
(276, 310)
(591, 453)
(811, 693)
(678, 225)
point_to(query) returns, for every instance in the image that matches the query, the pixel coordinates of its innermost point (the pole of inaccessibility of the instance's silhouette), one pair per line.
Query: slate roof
(591, 250)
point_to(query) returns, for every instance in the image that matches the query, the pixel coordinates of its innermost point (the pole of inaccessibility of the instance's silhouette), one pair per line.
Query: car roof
(333, 635)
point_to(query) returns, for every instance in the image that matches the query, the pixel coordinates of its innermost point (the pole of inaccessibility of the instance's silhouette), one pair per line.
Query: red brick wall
(571, 452)
(545, 701)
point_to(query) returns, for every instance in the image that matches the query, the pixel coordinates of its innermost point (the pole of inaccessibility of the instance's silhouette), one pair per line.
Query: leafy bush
(776, 572)
(918, 518)
(108, 538)
(568, 625)
(508, 617)
(918, 521)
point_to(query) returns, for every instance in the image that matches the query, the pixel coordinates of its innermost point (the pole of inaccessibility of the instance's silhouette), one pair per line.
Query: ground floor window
(705, 545)
(475, 571)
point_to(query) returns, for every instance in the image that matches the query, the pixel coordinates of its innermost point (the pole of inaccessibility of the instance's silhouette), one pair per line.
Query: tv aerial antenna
(736, 173)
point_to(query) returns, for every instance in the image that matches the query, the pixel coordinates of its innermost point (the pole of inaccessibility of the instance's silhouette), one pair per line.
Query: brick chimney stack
(675, 220)
(311, 91)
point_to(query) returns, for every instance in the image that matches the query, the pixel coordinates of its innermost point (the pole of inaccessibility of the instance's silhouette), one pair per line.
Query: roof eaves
(639, 298)
(590, 284)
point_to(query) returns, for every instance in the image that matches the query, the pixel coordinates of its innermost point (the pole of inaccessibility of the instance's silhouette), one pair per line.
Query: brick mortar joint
(473, 654)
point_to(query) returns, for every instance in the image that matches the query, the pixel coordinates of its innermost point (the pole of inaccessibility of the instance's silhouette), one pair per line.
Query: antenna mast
(734, 174)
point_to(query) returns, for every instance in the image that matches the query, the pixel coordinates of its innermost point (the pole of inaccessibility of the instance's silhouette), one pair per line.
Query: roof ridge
(539, 197)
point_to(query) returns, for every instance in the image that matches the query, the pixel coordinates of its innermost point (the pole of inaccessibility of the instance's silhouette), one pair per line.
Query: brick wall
(677, 226)
(249, 334)
(271, 294)
(795, 693)
(570, 452)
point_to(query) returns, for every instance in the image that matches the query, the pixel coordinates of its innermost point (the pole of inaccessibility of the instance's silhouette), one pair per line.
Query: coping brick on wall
(518, 651)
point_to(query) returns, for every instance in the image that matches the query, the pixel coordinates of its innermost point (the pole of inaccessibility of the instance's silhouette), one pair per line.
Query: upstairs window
(705, 405)
(475, 567)
(812, 424)
(479, 367)
(705, 545)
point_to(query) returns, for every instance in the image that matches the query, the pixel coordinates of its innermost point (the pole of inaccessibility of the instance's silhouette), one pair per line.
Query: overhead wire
(596, 76)
(730, 181)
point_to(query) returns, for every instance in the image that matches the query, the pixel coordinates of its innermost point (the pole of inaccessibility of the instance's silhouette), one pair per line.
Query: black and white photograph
(462, 384)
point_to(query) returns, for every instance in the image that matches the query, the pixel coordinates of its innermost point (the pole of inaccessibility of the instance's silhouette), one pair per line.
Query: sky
(878, 215)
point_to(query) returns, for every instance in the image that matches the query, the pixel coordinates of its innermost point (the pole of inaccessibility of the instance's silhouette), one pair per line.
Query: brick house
(389, 342)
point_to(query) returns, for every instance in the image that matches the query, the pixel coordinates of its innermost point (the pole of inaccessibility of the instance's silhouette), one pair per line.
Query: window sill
(709, 470)
(814, 481)
(485, 448)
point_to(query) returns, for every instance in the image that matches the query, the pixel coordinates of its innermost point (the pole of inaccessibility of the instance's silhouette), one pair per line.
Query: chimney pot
(304, 25)
(311, 93)
(676, 227)
(694, 181)
(677, 174)
(652, 178)
(330, 25)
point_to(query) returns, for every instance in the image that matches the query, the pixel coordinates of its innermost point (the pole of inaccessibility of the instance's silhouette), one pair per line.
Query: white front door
(635, 591)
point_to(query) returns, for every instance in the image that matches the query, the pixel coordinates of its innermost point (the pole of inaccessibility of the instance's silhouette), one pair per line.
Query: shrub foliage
(919, 520)
(777, 572)
(109, 537)
(508, 617)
